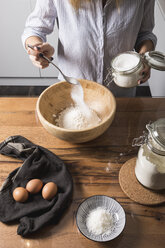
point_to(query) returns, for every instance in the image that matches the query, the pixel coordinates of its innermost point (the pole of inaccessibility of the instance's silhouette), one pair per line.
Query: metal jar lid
(155, 59)
(157, 132)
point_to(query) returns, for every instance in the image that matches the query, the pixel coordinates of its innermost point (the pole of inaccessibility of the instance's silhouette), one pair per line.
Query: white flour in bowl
(79, 116)
(73, 118)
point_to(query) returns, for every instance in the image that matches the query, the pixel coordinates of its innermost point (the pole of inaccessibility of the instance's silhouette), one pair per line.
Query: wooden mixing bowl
(58, 97)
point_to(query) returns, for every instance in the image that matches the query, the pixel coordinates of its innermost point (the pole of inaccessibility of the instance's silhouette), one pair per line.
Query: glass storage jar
(150, 163)
(126, 67)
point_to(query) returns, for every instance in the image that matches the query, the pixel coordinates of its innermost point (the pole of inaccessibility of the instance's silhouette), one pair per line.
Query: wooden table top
(94, 167)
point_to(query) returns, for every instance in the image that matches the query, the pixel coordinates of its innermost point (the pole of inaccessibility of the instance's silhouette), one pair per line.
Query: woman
(91, 33)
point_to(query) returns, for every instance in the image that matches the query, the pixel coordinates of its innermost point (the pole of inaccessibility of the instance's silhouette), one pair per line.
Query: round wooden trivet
(136, 191)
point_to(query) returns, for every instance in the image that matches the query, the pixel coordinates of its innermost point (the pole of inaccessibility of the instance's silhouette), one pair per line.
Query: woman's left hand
(145, 74)
(145, 46)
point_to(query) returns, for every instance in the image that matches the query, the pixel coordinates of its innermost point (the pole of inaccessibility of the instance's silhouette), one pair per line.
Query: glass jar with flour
(126, 67)
(150, 163)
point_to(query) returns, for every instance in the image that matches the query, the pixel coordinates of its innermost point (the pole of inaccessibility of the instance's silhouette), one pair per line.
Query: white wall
(14, 60)
(16, 67)
(161, 4)
(157, 80)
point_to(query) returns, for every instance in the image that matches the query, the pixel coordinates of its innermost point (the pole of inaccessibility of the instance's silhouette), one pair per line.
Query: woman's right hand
(44, 48)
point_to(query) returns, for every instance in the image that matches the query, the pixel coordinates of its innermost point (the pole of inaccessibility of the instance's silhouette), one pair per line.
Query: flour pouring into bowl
(79, 116)
(77, 95)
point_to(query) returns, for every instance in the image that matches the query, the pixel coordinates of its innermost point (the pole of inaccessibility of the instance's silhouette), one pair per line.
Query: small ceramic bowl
(113, 207)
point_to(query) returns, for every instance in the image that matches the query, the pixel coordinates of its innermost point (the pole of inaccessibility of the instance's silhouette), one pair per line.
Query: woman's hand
(44, 48)
(145, 46)
(145, 74)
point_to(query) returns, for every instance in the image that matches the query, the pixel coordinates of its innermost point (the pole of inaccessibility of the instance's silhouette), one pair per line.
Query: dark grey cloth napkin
(38, 162)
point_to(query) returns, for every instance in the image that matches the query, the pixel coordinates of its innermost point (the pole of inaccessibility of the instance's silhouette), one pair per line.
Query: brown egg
(49, 191)
(34, 186)
(20, 194)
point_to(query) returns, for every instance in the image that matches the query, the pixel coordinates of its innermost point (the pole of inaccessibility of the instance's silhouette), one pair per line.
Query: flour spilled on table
(79, 115)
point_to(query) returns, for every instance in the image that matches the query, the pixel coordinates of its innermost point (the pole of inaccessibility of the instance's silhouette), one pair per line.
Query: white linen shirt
(90, 37)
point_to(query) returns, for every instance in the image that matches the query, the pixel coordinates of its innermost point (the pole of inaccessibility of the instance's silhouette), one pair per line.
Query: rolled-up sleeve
(147, 24)
(41, 21)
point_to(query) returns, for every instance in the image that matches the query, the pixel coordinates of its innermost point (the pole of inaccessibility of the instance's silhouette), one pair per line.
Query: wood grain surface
(94, 167)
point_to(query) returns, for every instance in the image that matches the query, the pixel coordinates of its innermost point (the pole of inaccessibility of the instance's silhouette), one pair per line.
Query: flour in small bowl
(99, 221)
(79, 116)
